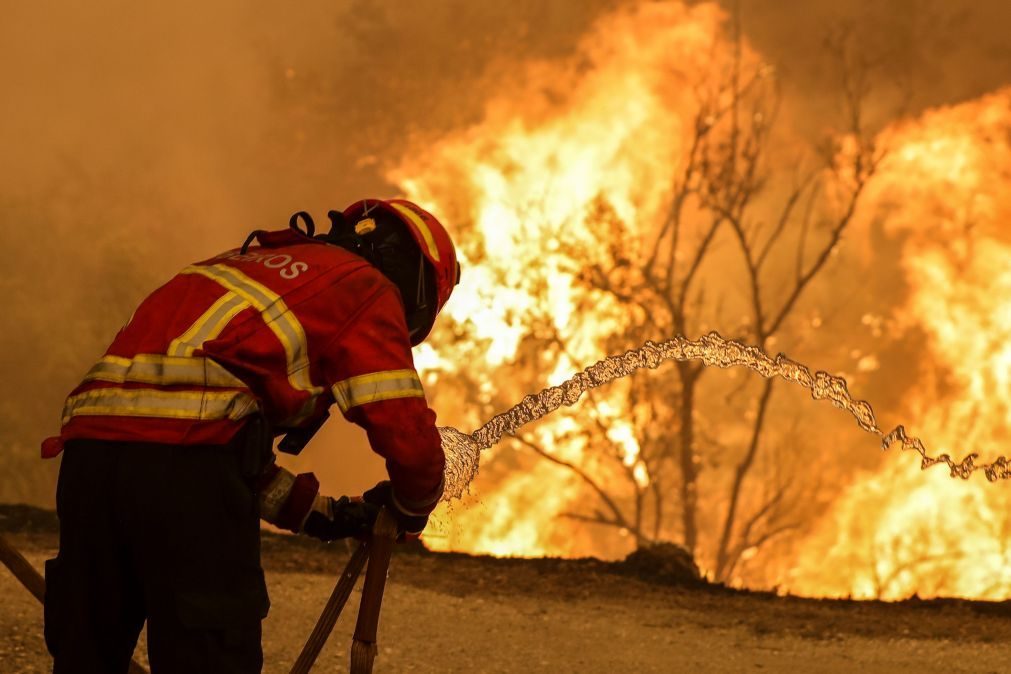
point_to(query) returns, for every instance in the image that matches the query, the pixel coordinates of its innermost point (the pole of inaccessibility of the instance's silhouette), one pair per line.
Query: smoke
(137, 139)
(922, 53)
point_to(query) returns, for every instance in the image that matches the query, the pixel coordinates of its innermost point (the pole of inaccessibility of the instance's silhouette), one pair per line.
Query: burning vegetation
(944, 194)
(653, 187)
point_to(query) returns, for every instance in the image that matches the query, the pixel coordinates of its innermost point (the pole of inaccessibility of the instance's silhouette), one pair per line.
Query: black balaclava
(382, 239)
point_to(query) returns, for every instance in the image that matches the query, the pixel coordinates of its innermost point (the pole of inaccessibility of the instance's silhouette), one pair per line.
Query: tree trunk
(689, 471)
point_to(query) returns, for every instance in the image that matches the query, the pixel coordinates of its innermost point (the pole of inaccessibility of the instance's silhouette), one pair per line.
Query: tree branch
(739, 475)
(822, 258)
(583, 475)
(784, 218)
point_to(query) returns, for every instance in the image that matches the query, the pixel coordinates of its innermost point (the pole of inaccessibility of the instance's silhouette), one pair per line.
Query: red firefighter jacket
(287, 329)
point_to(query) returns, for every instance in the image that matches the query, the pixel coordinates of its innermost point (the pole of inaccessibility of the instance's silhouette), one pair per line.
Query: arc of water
(463, 451)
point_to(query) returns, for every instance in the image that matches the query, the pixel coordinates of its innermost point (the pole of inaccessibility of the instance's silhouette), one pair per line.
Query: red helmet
(432, 238)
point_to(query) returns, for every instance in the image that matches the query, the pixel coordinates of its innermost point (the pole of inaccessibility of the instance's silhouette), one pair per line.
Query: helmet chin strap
(420, 298)
(421, 303)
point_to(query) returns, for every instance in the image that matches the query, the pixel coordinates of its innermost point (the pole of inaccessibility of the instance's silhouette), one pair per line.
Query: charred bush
(666, 563)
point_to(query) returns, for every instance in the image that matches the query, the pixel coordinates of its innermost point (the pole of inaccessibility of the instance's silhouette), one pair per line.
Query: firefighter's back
(225, 338)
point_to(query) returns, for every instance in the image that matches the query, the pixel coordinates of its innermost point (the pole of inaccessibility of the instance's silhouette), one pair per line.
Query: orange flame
(523, 183)
(899, 532)
(520, 188)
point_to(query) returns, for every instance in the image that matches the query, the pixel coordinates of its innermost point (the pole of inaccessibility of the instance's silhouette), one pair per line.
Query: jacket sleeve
(370, 371)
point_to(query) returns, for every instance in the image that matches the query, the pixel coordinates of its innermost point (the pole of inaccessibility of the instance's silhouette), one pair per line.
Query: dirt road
(449, 613)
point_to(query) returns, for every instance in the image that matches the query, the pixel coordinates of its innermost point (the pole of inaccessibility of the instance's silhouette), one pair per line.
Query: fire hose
(377, 550)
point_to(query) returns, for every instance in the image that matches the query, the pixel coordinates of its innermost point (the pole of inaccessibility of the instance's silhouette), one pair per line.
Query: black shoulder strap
(295, 440)
(310, 226)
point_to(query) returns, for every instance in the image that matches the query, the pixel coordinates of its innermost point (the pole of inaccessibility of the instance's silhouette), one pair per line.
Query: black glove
(348, 518)
(382, 495)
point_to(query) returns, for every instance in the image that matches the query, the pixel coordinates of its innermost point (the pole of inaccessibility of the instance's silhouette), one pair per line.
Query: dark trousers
(165, 533)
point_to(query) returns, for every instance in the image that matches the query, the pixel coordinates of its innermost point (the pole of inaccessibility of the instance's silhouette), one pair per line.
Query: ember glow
(896, 531)
(549, 183)
(521, 186)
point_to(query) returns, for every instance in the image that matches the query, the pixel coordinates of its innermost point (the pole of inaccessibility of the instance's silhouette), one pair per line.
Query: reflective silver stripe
(152, 368)
(203, 406)
(369, 388)
(272, 498)
(276, 316)
(209, 325)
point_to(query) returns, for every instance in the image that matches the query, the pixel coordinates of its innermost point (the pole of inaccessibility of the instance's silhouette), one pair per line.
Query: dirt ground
(455, 613)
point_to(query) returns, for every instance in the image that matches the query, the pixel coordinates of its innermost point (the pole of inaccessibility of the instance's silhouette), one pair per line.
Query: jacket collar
(281, 237)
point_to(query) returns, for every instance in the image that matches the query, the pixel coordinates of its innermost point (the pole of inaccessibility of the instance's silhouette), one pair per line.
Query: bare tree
(734, 210)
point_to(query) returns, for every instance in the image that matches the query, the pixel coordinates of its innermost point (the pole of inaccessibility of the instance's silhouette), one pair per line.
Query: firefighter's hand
(347, 518)
(408, 525)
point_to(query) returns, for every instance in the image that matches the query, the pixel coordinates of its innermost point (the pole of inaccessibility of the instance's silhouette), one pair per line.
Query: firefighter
(167, 443)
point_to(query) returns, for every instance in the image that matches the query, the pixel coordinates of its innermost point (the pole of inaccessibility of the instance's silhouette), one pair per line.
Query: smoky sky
(138, 137)
(922, 53)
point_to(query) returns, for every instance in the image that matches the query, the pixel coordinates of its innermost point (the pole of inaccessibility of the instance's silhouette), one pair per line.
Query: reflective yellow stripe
(204, 406)
(276, 316)
(422, 226)
(209, 325)
(152, 368)
(369, 388)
